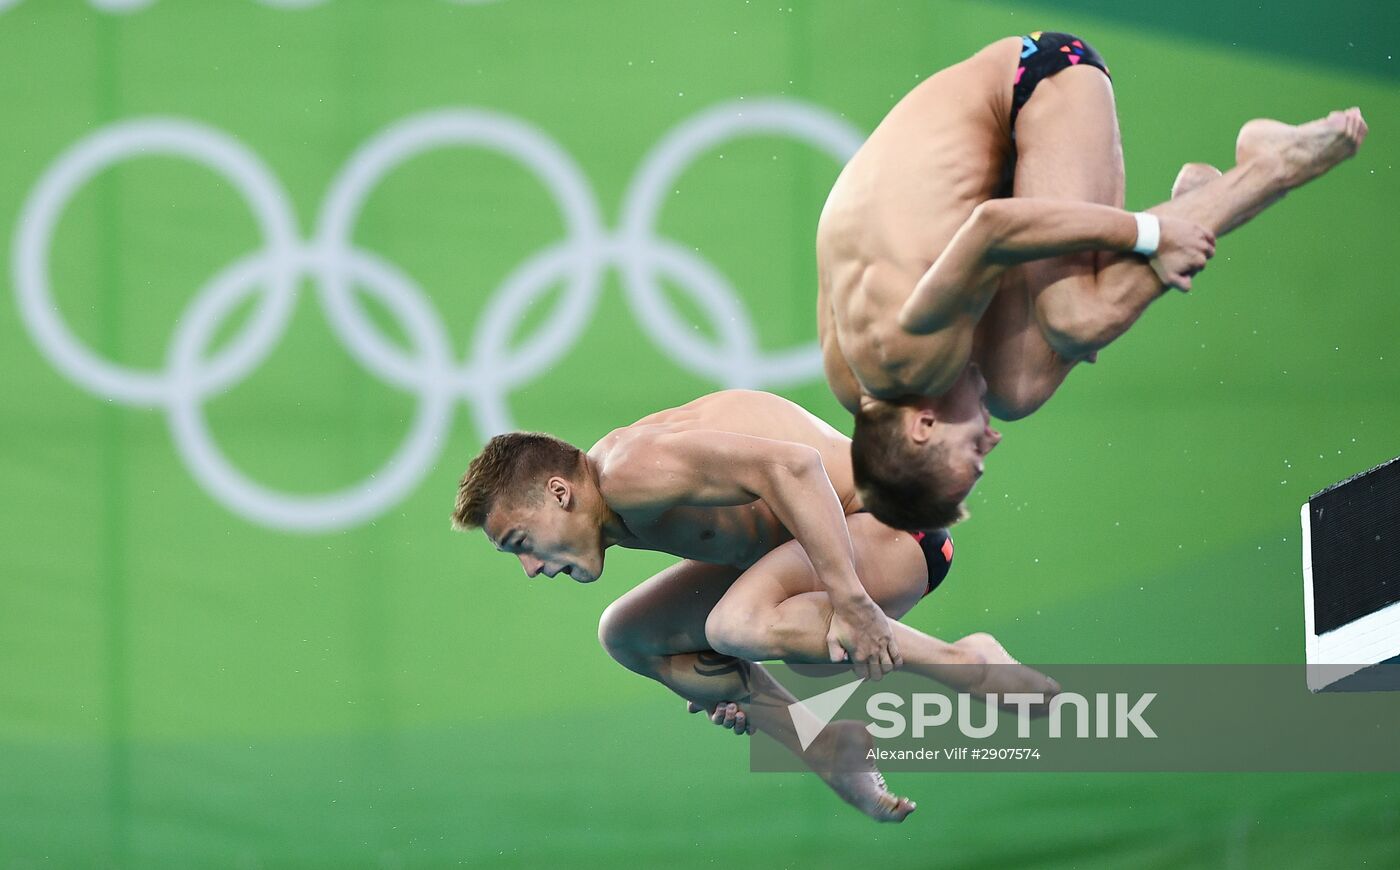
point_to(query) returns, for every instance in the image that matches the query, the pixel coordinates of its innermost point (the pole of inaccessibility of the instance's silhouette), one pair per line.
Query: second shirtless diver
(974, 250)
(778, 561)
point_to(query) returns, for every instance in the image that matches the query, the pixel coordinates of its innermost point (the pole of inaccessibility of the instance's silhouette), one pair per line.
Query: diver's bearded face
(959, 426)
(551, 535)
(967, 450)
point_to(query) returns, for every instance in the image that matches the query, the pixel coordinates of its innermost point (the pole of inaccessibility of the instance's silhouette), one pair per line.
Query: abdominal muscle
(737, 536)
(938, 154)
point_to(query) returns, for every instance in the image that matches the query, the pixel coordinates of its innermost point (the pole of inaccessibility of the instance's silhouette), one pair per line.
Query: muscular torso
(736, 535)
(940, 152)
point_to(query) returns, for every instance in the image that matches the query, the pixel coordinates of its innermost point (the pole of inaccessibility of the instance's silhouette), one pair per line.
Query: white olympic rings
(491, 369)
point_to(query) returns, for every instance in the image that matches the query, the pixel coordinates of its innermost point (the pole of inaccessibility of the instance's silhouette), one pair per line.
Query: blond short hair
(504, 468)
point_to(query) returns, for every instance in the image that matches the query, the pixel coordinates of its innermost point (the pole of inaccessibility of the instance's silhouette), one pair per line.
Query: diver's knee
(617, 633)
(1080, 329)
(735, 631)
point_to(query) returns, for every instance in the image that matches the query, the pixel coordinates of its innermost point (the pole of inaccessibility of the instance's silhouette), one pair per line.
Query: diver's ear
(560, 491)
(919, 424)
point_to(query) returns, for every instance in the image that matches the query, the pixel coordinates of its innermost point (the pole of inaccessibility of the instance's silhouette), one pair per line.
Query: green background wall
(182, 684)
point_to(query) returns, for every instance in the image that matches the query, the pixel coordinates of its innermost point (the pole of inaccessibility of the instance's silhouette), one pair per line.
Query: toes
(896, 809)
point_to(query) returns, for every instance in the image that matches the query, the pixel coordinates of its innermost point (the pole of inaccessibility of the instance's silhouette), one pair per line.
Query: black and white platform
(1351, 582)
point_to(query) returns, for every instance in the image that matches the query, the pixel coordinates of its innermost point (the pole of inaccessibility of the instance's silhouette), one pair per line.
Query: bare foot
(1192, 176)
(1306, 150)
(840, 757)
(726, 714)
(1001, 673)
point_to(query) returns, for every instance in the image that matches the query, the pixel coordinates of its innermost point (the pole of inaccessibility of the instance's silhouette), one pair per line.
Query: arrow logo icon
(811, 715)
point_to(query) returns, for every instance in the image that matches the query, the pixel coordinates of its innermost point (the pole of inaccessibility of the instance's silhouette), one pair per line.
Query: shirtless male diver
(779, 561)
(974, 250)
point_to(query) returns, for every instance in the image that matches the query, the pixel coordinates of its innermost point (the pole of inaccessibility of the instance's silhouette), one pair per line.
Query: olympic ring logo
(490, 370)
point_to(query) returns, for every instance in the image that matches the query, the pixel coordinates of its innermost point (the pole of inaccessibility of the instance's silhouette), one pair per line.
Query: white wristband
(1149, 233)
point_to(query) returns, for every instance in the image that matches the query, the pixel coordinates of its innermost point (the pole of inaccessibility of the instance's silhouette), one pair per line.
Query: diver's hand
(1182, 252)
(860, 633)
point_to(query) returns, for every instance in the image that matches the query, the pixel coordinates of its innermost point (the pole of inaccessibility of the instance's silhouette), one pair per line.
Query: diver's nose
(532, 566)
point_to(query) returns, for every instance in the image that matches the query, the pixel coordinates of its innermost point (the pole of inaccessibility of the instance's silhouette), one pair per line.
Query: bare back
(940, 152)
(735, 535)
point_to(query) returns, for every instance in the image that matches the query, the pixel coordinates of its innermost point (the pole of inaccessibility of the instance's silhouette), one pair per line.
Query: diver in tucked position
(779, 560)
(940, 304)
